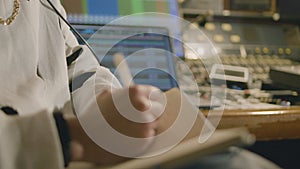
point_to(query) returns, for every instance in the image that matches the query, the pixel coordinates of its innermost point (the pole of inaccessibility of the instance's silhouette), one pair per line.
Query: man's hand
(132, 111)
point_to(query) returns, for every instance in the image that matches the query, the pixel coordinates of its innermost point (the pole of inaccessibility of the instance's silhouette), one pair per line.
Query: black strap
(74, 56)
(9, 111)
(64, 136)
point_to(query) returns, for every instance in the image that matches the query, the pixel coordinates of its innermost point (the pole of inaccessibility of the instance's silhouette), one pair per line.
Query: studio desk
(277, 132)
(265, 124)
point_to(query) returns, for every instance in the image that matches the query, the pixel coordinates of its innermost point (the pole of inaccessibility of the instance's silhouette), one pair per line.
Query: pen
(123, 69)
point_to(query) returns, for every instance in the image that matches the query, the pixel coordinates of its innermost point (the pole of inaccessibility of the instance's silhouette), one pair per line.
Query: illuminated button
(257, 50)
(265, 50)
(288, 51)
(226, 27)
(218, 38)
(280, 51)
(226, 12)
(235, 38)
(210, 26)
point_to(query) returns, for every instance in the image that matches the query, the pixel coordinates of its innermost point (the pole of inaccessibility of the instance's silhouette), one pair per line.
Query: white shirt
(35, 81)
(38, 41)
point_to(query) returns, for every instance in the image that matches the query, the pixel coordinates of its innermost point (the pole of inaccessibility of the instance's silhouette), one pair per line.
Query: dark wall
(289, 10)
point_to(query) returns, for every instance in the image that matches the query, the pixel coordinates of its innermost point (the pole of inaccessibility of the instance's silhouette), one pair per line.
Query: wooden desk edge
(265, 124)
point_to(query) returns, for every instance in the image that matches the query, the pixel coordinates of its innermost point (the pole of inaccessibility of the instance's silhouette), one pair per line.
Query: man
(38, 60)
(35, 82)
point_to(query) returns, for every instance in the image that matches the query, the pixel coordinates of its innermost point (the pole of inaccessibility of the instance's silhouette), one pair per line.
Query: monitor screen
(105, 11)
(147, 51)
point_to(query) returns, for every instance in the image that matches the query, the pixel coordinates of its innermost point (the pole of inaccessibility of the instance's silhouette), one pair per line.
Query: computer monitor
(105, 11)
(148, 51)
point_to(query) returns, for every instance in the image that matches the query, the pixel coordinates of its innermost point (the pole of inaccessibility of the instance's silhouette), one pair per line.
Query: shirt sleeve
(85, 72)
(29, 141)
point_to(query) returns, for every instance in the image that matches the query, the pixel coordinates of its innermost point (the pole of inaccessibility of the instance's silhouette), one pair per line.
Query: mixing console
(258, 65)
(258, 48)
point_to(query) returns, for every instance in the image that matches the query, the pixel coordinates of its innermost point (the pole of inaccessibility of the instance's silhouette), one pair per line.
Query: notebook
(192, 149)
(188, 151)
(183, 155)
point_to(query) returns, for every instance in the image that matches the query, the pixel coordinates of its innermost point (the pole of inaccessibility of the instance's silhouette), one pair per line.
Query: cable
(80, 38)
(74, 30)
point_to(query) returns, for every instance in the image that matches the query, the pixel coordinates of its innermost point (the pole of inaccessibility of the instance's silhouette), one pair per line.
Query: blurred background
(256, 41)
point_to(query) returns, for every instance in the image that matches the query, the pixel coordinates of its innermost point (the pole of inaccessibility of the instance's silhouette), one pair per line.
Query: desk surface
(265, 124)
